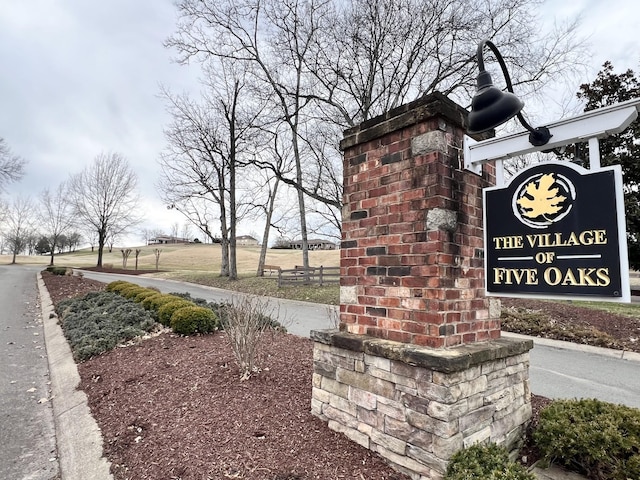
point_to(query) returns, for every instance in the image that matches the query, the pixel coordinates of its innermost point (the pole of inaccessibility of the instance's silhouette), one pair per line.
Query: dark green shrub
(193, 319)
(57, 270)
(221, 311)
(485, 462)
(598, 439)
(165, 311)
(99, 321)
(154, 302)
(201, 302)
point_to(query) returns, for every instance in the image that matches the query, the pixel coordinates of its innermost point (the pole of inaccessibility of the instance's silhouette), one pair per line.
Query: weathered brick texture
(418, 369)
(412, 249)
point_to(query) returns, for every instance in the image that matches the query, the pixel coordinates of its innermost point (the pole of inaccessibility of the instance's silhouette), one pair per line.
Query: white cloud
(81, 77)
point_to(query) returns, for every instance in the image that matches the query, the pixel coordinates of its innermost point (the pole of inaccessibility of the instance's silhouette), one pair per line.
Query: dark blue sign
(557, 230)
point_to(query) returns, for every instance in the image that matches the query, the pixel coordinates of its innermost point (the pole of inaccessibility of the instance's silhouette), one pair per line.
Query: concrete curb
(607, 352)
(78, 436)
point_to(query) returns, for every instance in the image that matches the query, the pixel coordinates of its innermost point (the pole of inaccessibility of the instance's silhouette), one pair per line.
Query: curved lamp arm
(496, 107)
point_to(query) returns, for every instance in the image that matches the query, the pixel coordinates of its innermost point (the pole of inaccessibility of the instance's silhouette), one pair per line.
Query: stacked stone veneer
(417, 369)
(417, 406)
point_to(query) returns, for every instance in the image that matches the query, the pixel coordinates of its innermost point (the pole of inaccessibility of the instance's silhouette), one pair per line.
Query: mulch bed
(121, 271)
(182, 412)
(625, 331)
(173, 407)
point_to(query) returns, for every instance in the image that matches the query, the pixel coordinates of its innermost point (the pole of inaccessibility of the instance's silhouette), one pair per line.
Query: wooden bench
(271, 269)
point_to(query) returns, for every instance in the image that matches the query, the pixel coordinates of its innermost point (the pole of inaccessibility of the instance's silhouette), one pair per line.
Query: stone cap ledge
(446, 360)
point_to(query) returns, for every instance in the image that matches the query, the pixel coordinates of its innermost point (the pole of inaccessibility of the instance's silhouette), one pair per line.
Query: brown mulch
(173, 407)
(623, 332)
(184, 413)
(122, 271)
(61, 287)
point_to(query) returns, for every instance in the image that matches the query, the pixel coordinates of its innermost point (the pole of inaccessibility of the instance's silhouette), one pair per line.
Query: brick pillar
(411, 259)
(417, 369)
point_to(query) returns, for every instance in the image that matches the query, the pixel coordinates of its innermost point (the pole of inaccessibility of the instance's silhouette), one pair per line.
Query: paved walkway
(27, 434)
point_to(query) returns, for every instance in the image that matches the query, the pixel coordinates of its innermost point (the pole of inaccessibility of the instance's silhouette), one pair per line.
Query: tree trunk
(303, 234)
(101, 242)
(301, 203)
(224, 265)
(267, 227)
(233, 267)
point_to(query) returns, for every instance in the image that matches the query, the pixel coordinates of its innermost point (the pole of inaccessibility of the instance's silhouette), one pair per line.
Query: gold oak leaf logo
(541, 198)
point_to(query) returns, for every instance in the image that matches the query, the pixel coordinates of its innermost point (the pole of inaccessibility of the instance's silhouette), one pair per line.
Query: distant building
(167, 239)
(246, 240)
(314, 244)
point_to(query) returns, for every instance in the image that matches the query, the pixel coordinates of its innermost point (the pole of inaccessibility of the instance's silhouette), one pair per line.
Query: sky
(81, 77)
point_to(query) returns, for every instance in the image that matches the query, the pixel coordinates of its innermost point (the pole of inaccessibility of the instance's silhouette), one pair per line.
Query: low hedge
(162, 306)
(193, 319)
(118, 285)
(154, 302)
(165, 312)
(56, 270)
(131, 291)
(485, 462)
(147, 292)
(598, 439)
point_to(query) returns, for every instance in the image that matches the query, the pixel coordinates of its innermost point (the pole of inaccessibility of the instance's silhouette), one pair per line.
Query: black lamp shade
(491, 106)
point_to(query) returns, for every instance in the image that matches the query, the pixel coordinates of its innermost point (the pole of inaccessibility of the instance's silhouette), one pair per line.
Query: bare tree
(11, 166)
(329, 64)
(138, 250)
(19, 225)
(175, 228)
(73, 241)
(236, 30)
(157, 252)
(193, 178)
(185, 231)
(125, 257)
(104, 198)
(268, 209)
(56, 217)
(207, 141)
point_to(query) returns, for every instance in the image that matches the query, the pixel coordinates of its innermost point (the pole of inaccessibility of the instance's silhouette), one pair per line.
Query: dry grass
(194, 257)
(199, 263)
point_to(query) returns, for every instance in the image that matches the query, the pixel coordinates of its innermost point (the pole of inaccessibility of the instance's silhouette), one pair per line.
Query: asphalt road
(560, 373)
(555, 372)
(27, 433)
(298, 317)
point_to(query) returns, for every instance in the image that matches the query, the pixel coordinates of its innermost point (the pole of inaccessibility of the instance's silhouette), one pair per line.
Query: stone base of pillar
(417, 406)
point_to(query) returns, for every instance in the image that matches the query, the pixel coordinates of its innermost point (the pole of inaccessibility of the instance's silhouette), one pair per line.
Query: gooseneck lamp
(492, 107)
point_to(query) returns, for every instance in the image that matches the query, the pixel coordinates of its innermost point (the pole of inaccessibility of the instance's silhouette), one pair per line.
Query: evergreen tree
(624, 148)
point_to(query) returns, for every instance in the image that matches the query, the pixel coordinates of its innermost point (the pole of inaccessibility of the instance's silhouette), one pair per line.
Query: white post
(594, 154)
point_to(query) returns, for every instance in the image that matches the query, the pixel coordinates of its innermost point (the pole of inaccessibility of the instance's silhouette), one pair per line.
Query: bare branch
(11, 166)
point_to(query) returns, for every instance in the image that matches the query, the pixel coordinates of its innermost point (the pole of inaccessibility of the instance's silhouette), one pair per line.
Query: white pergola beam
(593, 124)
